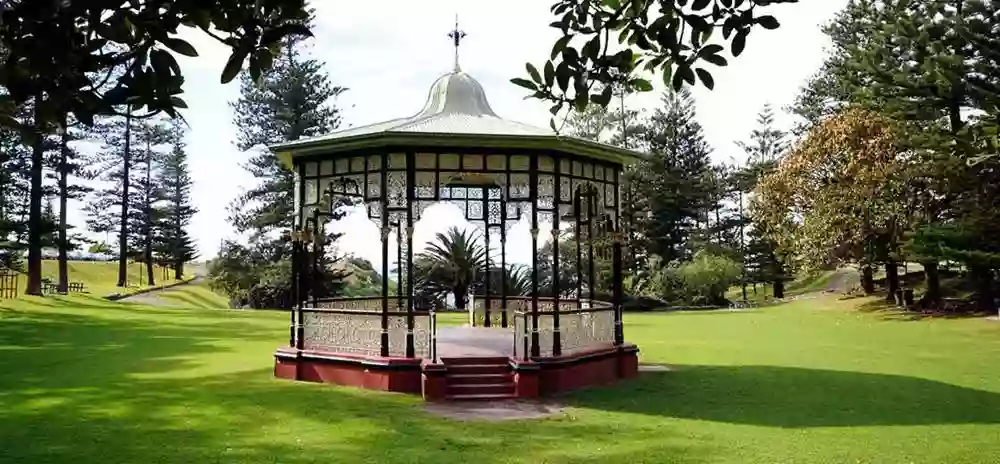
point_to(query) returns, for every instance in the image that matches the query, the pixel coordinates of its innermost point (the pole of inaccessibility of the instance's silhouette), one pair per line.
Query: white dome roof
(456, 93)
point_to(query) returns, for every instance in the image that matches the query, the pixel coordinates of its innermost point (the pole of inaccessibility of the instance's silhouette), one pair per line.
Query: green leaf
(560, 45)
(668, 73)
(602, 98)
(550, 74)
(700, 4)
(164, 63)
(180, 46)
(768, 22)
(533, 72)
(234, 64)
(716, 60)
(524, 83)
(563, 75)
(739, 43)
(178, 102)
(641, 85)
(555, 109)
(706, 78)
(552, 124)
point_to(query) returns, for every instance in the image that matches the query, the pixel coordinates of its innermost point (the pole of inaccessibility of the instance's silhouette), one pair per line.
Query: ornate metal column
(503, 257)
(297, 259)
(384, 218)
(616, 265)
(556, 277)
(533, 197)
(486, 241)
(411, 199)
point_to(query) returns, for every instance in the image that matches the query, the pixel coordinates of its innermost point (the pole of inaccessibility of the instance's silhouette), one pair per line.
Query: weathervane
(457, 35)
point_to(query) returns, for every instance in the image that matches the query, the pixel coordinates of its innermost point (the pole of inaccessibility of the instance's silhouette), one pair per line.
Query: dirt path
(152, 298)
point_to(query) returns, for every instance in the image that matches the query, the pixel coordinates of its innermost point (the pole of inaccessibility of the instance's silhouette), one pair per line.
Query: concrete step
(478, 369)
(475, 360)
(478, 379)
(481, 397)
(482, 389)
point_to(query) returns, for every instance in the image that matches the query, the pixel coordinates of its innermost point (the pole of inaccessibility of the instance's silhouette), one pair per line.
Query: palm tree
(515, 278)
(450, 265)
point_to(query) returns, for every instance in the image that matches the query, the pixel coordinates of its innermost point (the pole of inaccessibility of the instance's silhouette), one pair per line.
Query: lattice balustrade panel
(587, 330)
(342, 333)
(421, 336)
(546, 333)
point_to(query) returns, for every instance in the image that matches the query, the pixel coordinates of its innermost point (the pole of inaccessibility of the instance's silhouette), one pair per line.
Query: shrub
(706, 278)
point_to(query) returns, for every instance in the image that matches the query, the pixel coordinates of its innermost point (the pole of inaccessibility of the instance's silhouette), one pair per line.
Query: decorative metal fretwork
(421, 335)
(342, 332)
(587, 330)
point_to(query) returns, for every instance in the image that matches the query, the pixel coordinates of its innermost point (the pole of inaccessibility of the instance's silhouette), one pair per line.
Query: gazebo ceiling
(457, 114)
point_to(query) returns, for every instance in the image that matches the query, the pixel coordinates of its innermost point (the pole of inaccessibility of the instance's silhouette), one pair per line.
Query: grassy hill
(100, 278)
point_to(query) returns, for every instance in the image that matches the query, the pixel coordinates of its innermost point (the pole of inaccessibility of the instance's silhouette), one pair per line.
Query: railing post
(434, 344)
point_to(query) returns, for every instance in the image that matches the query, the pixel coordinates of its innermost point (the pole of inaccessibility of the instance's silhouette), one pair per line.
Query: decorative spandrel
(374, 186)
(397, 189)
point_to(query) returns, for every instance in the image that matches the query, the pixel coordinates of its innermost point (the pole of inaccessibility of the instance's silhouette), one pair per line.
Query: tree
(761, 257)
(450, 264)
(836, 195)
(109, 208)
(172, 242)
(68, 163)
(291, 101)
(932, 67)
(97, 57)
(676, 181)
(151, 136)
(602, 41)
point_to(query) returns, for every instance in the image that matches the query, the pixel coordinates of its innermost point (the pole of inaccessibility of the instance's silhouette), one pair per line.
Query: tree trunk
(148, 219)
(984, 289)
(35, 206)
(779, 288)
(891, 280)
(63, 200)
(932, 298)
(123, 231)
(867, 279)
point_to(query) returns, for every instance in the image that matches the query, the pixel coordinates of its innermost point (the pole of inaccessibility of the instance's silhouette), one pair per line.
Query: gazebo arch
(457, 150)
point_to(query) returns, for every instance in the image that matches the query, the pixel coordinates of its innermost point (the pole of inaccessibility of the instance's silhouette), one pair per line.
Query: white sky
(389, 52)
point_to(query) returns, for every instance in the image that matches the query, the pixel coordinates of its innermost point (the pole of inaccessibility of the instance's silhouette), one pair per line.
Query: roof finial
(457, 35)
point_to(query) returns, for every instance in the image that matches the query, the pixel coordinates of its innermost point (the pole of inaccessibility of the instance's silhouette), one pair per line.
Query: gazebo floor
(465, 342)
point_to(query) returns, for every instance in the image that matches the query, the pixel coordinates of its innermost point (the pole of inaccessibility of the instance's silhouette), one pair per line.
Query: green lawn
(818, 381)
(101, 278)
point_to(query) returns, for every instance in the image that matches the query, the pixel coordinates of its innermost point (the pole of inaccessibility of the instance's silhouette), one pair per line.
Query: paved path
(152, 298)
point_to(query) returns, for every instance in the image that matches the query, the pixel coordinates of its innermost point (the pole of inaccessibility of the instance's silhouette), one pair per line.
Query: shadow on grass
(890, 311)
(795, 398)
(123, 384)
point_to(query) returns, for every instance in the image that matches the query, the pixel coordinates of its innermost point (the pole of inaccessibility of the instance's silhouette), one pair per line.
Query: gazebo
(457, 150)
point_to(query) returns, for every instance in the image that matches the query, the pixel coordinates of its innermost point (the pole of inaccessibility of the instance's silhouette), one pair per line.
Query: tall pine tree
(291, 101)
(676, 184)
(173, 244)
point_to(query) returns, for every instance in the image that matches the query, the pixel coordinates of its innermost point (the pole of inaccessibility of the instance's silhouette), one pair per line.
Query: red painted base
(541, 377)
(374, 373)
